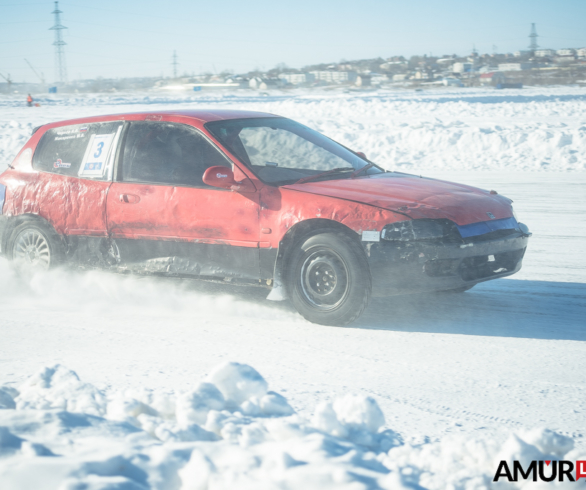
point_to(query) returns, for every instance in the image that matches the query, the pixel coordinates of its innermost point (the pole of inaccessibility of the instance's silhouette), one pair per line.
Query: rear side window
(83, 150)
(167, 153)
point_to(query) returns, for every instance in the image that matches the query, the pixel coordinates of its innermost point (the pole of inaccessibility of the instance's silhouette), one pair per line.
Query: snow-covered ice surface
(422, 392)
(464, 129)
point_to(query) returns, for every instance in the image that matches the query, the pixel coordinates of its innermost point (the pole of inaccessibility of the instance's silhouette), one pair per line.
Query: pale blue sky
(137, 37)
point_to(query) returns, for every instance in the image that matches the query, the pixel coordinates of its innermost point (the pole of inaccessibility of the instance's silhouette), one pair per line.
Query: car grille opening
(477, 267)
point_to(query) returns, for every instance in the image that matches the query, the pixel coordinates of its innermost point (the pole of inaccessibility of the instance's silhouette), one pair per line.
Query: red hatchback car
(252, 198)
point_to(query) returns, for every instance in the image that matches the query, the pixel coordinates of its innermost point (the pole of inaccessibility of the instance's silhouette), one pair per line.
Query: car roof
(202, 115)
(207, 115)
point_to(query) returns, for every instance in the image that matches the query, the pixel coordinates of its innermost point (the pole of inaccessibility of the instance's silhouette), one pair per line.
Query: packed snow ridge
(230, 431)
(534, 129)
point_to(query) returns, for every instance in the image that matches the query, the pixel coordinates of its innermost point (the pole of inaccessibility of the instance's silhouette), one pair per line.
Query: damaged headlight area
(420, 229)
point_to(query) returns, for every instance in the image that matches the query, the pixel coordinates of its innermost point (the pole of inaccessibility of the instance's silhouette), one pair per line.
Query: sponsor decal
(60, 164)
(83, 130)
(547, 471)
(221, 176)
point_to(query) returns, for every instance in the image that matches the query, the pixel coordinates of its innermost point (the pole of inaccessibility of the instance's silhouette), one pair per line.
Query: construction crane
(8, 80)
(40, 77)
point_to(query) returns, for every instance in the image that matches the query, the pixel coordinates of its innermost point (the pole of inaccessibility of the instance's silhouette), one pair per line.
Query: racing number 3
(99, 149)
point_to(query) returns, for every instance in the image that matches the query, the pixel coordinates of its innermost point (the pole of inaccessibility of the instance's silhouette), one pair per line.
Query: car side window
(81, 150)
(167, 153)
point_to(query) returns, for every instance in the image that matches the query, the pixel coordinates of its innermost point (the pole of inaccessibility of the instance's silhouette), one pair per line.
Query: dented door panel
(182, 225)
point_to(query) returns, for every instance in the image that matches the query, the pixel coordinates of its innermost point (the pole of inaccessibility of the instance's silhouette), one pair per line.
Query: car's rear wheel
(328, 279)
(34, 247)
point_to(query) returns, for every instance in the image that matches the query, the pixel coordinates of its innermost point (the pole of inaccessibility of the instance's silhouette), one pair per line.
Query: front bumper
(411, 267)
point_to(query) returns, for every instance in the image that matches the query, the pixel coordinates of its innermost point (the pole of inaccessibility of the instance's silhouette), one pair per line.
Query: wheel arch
(301, 231)
(15, 221)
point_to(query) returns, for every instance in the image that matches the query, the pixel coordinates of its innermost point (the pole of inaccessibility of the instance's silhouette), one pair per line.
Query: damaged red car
(249, 198)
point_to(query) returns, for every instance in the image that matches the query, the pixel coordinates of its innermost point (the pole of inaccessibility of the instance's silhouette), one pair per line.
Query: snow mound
(229, 431)
(238, 382)
(57, 387)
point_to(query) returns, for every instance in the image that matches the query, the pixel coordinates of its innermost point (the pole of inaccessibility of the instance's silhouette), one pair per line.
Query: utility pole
(175, 64)
(533, 36)
(60, 68)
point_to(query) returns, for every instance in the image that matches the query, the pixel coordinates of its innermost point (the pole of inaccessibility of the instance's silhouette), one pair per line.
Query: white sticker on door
(96, 156)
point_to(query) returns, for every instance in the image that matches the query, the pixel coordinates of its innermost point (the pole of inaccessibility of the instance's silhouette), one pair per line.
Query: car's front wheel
(34, 247)
(328, 279)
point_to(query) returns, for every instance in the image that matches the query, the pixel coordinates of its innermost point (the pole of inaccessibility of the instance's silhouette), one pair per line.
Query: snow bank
(229, 431)
(535, 129)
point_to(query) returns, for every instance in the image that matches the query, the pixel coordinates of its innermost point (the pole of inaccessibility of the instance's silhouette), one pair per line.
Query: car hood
(415, 197)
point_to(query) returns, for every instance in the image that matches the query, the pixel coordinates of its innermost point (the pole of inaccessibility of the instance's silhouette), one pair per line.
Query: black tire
(328, 279)
(34, 246)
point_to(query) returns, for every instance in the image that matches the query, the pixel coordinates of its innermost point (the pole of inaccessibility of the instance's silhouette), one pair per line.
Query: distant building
(391, 64)
(264, 83)
(487, 69)
(581, 52)
(377, 78)
(520, 54)
(297, 78)
(544, 53)
(566, 52)
(514, 66)
(493, 78)
(400, 77)
(461, 67)
(335, 76)
(452, 82)
(363, 80)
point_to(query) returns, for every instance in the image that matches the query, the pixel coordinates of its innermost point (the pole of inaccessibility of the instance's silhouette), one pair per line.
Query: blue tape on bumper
(2, 196)
(484, 227)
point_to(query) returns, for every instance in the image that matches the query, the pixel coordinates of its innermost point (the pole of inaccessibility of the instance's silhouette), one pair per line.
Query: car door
(74, 164)
(163, 218)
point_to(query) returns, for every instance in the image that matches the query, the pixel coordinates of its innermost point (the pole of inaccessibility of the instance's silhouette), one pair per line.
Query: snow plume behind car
(107, 294)
(230, 431)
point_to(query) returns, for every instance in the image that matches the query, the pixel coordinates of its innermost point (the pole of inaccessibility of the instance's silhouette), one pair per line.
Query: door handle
(129, 198)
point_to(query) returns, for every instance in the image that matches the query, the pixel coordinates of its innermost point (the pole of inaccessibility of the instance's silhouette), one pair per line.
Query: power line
(60, 68)
(175, 64)
(533, 36)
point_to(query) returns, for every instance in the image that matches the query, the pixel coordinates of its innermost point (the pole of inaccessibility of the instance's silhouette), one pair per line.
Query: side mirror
(222, 177)
(361, 155)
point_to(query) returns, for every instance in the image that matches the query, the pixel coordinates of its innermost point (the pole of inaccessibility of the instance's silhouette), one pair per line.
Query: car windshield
(281, 151)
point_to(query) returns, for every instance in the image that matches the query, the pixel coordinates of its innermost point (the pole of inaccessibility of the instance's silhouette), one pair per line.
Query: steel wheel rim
(31, 250)
(324, 279)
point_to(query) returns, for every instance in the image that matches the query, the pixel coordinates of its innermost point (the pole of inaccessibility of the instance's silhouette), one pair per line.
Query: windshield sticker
(96, 155)
(60, 164)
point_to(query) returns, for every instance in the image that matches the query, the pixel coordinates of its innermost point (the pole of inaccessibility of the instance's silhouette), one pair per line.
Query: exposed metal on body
(324, 279)
(31, 250)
